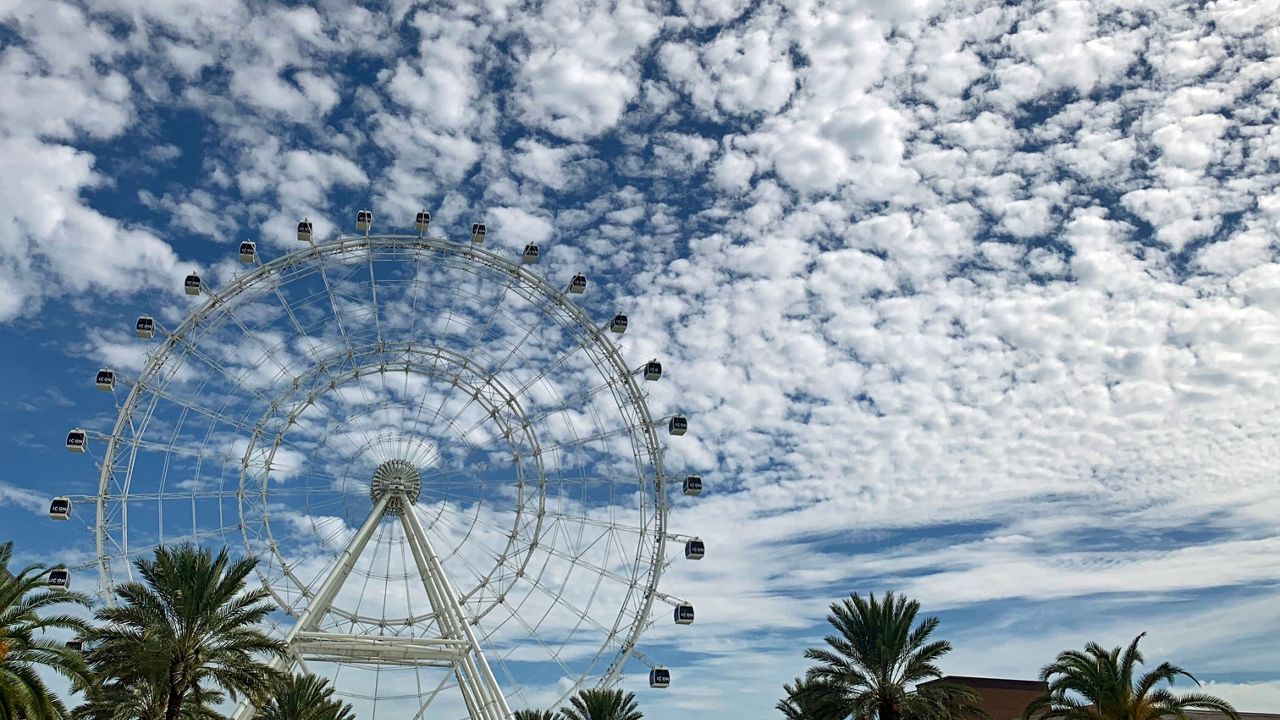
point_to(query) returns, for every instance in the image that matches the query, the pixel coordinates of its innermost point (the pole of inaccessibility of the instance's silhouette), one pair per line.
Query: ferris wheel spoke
(373, 296)
(471, 351)
(587, 394)
(577, 441)
(553, 654)
(268, 351)
(215, 415)
(337, 317)
(430, 698)
(559, 599)
(189, 349)
(576, 559)
(197, 536)
(168, 449)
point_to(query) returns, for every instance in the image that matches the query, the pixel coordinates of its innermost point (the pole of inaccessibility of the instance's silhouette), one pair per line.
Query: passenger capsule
(619, 323)
(530, 254)
(364, 221)
(105, 380)
(74, 645)
(652, 370)
(678, 425)
(659, 677)
(77, 440)
(248, 251)
(304, 231)
(60, 508)
(684, 614)
(578, 284)
(477, 232)
(60, 579)
(422, 222)
(145, 327)
(692, 485)
(694, 549)
(192, 284)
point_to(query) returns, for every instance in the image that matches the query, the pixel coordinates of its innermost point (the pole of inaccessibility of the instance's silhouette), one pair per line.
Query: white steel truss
(456, 648)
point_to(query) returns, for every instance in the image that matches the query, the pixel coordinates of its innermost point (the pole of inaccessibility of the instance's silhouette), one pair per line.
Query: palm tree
(877, 654)
(1100, 685)
(23, 648)
(132, 700)
(189, 631)
(538, 715)
(808, 700)
(305, 697)
(601, 704)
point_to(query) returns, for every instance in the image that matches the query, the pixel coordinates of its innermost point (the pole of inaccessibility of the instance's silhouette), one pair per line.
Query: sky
(972, 301)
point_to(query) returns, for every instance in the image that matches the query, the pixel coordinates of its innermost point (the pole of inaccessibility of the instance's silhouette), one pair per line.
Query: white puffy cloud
(977, 302)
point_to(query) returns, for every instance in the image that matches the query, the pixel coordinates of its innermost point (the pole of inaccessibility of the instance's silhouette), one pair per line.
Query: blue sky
(973, 301)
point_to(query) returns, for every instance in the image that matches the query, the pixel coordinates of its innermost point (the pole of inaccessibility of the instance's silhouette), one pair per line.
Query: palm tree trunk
(887, 711)
(176, 691)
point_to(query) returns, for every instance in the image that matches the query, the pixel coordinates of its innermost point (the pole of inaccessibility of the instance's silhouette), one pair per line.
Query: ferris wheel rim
(622, 383)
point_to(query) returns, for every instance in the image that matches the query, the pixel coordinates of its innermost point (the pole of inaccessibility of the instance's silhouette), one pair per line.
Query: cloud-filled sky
(975, 301)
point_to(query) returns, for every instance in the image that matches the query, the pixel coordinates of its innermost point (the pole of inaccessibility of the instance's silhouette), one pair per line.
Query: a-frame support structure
(457, 646)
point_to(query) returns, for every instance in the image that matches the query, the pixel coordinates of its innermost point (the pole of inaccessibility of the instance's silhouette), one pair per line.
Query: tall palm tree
(23, 647)
(189, 629)
(305, 697)
(866, 668)
(601, 704)
(538, 715)
(1099, 685)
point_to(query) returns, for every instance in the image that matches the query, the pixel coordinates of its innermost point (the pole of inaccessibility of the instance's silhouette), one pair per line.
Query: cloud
(23, 498)
(977, 302)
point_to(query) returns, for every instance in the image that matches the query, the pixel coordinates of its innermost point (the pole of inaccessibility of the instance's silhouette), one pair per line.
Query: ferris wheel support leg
(463, 669)
(324, 597)
(484, 686)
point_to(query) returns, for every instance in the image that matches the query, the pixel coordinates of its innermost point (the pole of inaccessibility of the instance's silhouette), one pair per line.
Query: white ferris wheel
(448, 471)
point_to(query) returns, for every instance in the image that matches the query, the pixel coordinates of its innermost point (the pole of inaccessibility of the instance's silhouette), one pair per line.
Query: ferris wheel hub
(391, 478)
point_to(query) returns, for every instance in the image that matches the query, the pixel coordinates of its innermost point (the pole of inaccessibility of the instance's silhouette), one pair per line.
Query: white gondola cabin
(578, 284)
(694, 549)
(683, 615)
(60, 508)
(659, 678)
(478, 231)
(692, 485)
(423, 222)
(619, 323)
(531, 254)
(248, 251)
(145, 327)
(105, 380)
(304, 231)
(77, 440)
(364, 220)
(60, 579)
(193, 284)
(678, 425)
(652, 370)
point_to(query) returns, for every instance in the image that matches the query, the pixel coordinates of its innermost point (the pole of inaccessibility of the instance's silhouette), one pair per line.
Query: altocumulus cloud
(976, 301)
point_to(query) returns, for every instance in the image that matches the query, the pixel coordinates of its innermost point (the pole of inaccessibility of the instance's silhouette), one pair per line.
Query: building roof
(1208, 715)
(993, 683)
(1005, 698)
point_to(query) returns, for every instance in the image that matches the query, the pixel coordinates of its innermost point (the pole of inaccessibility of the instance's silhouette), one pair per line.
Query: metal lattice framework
(448, 471)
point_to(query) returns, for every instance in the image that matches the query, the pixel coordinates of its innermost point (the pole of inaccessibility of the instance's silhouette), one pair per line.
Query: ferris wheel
(449, 472)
